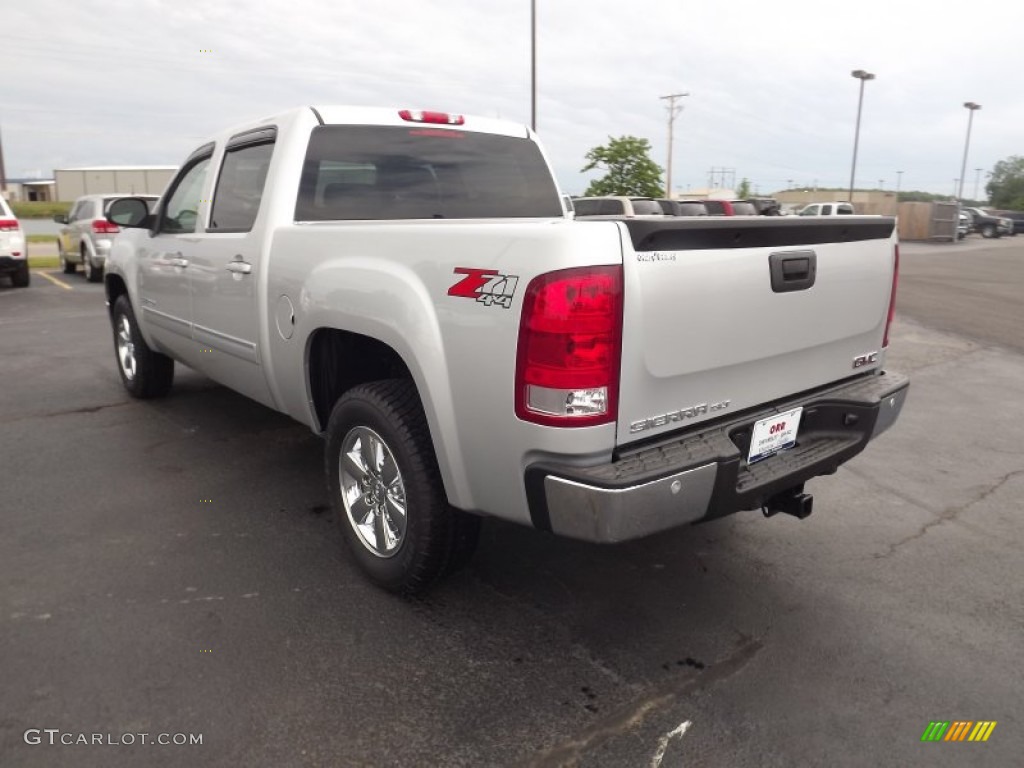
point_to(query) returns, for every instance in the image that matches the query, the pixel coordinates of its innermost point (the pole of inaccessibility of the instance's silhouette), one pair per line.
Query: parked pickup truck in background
(988, 224)
(827, 209)
(410, 286)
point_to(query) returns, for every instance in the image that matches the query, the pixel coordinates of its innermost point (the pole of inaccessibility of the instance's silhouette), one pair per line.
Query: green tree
(744, 190)
(1006, 187)
(628, 166)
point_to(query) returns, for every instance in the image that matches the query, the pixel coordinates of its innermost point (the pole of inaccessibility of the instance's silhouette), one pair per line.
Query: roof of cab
(348, 115)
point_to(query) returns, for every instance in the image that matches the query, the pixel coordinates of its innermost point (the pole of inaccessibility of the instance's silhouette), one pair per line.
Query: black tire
(436, 538)
(21, 276)
(92, 273)
(153, 372)
(988, 231)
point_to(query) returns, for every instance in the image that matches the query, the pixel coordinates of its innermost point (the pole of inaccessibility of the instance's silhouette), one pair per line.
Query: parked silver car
(86, 235)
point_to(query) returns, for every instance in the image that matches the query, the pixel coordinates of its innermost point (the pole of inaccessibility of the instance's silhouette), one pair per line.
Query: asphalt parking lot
(172, 567)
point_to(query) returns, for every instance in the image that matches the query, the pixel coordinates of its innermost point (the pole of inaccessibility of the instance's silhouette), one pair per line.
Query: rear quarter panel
(390, 281)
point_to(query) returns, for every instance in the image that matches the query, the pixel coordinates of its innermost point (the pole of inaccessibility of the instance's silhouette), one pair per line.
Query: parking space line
(54, 280)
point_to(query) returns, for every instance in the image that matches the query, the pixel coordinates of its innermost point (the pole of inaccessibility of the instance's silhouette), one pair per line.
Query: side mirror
(129, 212)
(60, 218)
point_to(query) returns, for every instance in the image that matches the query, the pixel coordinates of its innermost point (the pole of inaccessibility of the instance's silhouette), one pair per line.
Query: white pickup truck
(411, 286)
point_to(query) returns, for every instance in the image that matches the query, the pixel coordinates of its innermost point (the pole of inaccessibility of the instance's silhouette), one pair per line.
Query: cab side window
(179, 215)
(243, 175)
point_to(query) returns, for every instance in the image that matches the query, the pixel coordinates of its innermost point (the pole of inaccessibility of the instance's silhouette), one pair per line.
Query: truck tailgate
(723, 315)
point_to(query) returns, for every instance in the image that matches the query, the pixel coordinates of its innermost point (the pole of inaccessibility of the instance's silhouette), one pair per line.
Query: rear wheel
(144, 373)
(20, 277)
(386, 489)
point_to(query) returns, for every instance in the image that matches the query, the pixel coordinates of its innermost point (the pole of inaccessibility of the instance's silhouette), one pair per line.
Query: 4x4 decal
(486, 286)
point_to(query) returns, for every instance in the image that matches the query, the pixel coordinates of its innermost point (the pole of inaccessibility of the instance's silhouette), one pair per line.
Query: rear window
(587, 207)
(692, 209)
(714, 207)
(647, 208)
(381, 173)
(744, 209)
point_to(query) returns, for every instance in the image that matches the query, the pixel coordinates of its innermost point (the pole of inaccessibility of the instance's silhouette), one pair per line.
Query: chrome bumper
(702, 474)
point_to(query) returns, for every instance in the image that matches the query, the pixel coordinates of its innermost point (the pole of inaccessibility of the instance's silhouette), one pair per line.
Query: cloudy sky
(126, 82)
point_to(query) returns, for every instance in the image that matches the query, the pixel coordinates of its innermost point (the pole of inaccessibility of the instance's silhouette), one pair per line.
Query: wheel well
(114, 286)
(340, 360)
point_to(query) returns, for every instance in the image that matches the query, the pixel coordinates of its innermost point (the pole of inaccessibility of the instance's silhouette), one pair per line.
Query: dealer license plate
(774, 434)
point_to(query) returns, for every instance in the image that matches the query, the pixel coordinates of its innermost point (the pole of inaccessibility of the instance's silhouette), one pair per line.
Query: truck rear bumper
(702, 474)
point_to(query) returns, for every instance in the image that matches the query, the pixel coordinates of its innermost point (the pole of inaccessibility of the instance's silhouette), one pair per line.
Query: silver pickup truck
(411, 286)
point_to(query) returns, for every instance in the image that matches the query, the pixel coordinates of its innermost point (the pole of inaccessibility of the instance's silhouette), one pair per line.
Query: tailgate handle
(792, 270)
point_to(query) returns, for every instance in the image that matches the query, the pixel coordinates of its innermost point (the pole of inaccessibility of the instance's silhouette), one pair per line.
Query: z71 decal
(486, 286)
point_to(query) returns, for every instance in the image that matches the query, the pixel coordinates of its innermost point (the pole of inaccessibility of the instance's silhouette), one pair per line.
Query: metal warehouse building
(131, 179)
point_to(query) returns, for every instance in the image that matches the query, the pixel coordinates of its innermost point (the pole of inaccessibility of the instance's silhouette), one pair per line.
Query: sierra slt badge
(681, 415)
(486, 286)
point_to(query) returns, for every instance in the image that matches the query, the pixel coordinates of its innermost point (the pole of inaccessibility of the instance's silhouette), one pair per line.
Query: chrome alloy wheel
(372, 491)
(126, 348)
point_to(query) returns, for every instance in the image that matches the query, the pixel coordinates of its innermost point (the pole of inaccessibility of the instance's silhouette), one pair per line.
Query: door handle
(178, 261)
(239, 267)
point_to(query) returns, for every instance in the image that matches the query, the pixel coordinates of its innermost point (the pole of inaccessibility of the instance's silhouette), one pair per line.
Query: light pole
(971, 109)
(673, 112)
(977, 181)
(863, 76)
(899, 178)
(881, 184)
(533, 65)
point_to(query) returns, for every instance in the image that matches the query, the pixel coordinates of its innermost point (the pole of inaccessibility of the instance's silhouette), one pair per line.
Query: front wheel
(144, 373)
(67, 266)
(988, 231)
(386, 489)
(92, 273)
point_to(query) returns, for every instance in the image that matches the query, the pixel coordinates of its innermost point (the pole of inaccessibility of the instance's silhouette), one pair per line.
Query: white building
(72, 183)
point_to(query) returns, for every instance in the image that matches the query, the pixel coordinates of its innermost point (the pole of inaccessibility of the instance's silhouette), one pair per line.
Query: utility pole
(673, 112)
(533, 65)
(899, 178)
(977, 181)
(3, 172)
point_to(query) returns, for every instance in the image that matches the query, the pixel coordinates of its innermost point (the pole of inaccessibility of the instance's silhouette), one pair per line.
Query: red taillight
(6, 225)
(423, 116)
(104, 227)
(892, 295)
(567, 366)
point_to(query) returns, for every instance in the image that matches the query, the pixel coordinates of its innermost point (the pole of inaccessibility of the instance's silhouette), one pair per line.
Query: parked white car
(13, 258)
